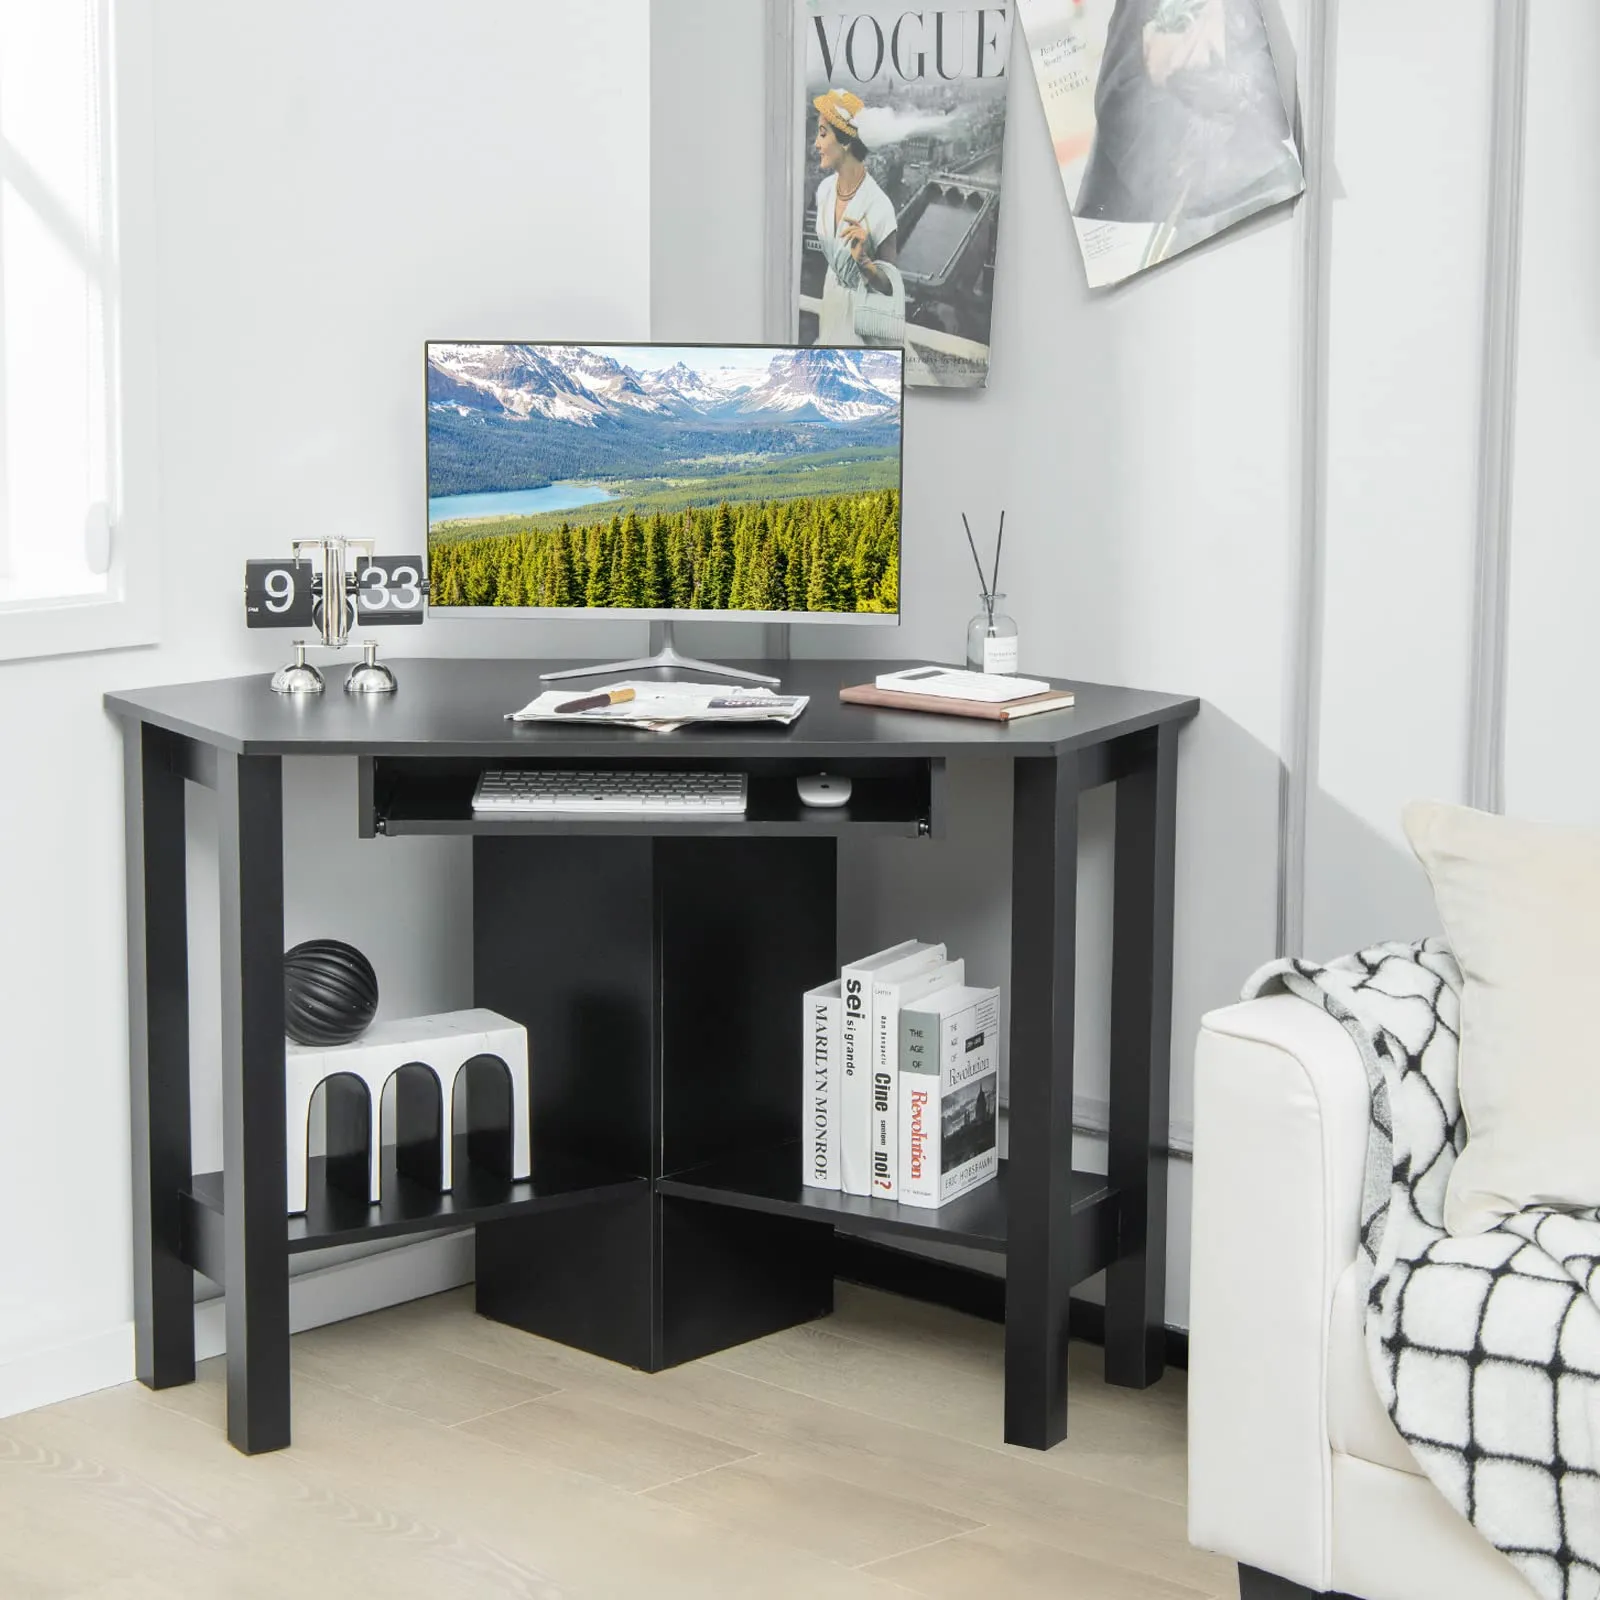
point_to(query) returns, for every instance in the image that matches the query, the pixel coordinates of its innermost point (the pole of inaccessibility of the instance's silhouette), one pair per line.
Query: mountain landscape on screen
(569, 383)
(646, 477)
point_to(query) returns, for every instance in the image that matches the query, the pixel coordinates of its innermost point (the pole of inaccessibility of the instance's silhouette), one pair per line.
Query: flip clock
(331, 586)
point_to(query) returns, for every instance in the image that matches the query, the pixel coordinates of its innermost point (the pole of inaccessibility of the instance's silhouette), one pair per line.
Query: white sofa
(1295, 1470)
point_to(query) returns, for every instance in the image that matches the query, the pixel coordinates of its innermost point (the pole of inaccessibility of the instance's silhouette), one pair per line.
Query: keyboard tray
(402, 795)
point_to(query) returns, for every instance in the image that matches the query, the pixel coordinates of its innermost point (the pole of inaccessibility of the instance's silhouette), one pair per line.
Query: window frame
(128, 613)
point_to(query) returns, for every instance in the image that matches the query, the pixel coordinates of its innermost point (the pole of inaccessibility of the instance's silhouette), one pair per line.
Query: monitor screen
(665, 480)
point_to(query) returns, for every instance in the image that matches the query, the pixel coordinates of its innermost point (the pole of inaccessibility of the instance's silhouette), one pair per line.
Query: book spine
(919, 1108)
(969, 1082)
(885, 1092)
(855, 1100)
(884, 1019)
(820, 1107)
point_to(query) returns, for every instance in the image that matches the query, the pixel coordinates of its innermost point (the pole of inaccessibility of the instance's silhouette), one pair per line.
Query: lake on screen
(516, 502)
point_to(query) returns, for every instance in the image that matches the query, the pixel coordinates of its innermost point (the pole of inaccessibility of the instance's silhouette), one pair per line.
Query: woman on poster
(863, 297)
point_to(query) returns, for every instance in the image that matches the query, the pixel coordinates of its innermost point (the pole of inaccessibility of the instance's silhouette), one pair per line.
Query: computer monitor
(757, 482)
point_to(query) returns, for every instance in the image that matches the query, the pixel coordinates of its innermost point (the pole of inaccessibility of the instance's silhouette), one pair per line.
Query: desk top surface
(458, 707)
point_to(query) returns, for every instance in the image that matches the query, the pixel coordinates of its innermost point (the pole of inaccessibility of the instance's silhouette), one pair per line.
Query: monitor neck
(663, 655)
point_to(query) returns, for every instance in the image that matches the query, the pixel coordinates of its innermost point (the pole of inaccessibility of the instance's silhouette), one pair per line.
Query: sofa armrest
(1280, 1137)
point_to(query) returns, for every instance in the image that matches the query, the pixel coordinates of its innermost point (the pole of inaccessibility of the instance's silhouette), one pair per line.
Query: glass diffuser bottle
(991, 638)
(991, 635)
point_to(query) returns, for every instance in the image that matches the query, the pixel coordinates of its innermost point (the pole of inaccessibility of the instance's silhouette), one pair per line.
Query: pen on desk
(593, 702)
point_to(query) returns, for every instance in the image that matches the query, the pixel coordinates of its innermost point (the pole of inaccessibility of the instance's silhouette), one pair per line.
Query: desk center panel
(660, 981)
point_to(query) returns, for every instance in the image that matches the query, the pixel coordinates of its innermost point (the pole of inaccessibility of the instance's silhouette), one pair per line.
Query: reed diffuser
(991, 634)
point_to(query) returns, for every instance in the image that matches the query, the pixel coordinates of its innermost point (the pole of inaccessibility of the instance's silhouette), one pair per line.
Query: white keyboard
(612, 793)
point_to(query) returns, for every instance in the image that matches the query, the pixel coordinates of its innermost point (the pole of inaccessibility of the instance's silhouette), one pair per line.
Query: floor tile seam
(700, 1472)
(500, 1411)
(917, 1549)
(1001, 1450)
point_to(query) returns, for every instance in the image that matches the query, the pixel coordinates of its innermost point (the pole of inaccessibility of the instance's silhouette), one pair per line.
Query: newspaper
(1168, 120)
(902, 252)
(663, 707)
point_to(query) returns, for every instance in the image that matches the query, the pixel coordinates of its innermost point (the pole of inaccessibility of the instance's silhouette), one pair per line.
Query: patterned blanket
(1484, 1349)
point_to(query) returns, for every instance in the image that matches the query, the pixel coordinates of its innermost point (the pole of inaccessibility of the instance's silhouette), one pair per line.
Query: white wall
(707, 171)
(707, 242)
(1405, 407)
(1552, 757)
(335, 185)
(1407, 251)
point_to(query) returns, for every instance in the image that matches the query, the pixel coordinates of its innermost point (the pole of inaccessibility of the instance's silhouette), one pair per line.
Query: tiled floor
(438, 1455)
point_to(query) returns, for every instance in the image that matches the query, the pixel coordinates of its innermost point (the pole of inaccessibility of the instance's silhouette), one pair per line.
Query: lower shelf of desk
(769, 1181)
(765, 1181)
(335, 1217)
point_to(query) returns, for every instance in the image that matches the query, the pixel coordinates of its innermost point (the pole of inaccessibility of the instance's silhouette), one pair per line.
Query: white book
(819, 1110)
(888, 995)
(949, 1094)
(951, 683)
(855, 1093)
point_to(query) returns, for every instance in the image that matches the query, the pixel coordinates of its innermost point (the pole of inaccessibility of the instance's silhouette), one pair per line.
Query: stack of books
(955, 693)
(901, 1079)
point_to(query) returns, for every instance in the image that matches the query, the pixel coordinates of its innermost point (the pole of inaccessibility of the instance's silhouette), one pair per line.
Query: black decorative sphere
(330, 992)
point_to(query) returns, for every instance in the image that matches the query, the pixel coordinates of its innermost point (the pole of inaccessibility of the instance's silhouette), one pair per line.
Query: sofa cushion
(1357, 1422)
(1520, 904)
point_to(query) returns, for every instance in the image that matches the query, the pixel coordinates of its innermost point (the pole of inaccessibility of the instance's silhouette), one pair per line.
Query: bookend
(460, 1082)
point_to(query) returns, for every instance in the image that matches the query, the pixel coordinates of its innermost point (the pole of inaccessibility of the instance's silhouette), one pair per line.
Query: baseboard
(58, 1372)
(331, 1294)
(1091, 1118)
(354, 1288)
(979, 1294)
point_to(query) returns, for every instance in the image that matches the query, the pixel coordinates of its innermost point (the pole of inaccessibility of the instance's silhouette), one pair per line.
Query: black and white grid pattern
(1485, 1349)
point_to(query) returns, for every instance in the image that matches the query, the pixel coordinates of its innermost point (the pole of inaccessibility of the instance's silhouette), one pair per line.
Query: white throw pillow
(1520, 904)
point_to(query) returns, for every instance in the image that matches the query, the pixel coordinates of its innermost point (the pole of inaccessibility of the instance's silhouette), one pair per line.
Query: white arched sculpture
(444, 1044)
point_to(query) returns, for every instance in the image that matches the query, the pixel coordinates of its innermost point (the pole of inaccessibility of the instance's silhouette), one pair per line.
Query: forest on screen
(824, 553)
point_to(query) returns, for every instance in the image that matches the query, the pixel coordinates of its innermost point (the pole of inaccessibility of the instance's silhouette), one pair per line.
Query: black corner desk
(658, 967)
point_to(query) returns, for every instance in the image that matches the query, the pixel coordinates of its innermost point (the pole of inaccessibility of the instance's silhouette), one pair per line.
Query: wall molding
(1485, 777)
(779, 198)
(328, 1294)
(1305, 642)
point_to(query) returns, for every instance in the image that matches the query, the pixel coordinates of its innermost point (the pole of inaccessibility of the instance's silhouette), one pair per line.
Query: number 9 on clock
(277, 594)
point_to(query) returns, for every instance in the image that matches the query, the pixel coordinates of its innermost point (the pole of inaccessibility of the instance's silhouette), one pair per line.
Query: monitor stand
(665, 656)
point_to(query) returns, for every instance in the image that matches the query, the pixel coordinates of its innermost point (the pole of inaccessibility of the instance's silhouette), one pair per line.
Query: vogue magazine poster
(1167, 119)
(903, 115)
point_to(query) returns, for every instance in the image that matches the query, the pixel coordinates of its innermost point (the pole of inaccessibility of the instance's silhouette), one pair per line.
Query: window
(76, 463)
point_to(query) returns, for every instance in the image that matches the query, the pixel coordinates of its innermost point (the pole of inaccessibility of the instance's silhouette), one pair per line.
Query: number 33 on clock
(389, 591)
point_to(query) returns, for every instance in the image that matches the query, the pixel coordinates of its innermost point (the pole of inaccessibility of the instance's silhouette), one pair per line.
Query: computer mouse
(822, 789)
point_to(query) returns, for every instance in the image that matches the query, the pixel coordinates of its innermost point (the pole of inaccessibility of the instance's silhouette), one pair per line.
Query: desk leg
(250, 867)
(158, 1056)
(1141, 1060)
(1039, 1269)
